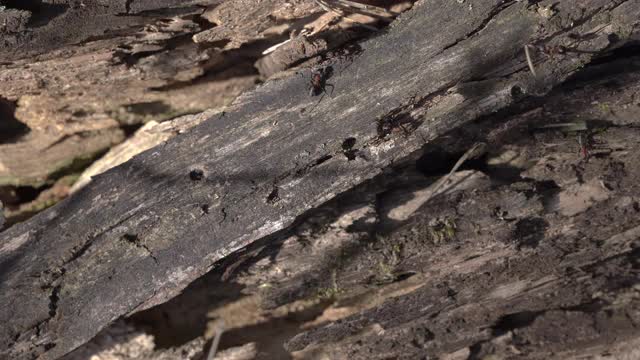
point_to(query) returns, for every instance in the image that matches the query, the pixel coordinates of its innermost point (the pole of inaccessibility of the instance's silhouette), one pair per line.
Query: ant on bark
(318, 84)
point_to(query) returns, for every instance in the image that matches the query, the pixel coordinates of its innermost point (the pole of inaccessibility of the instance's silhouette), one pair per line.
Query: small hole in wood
(273, 196)
(196, 174)
(348, 143)
(517, 92)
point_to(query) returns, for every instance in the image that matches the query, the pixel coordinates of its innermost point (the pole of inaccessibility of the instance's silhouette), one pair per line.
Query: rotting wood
(72, 89)
(138, 234)
(299, 266)
(77, 87)
(150, 135)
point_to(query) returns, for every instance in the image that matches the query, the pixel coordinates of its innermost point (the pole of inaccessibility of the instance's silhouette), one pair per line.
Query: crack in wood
(76, 254)
(490, 16)
(224, 215)
(53, 300)
(581, 21)
(127, 6)
(134, 240)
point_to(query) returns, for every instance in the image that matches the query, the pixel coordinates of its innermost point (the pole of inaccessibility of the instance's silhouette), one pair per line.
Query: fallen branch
(138, 234)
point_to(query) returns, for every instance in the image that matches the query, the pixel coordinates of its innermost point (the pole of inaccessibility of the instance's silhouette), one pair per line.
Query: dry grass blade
(343, 8)
(219, 329)
(363, 9)
(529, 61)
(476, 150)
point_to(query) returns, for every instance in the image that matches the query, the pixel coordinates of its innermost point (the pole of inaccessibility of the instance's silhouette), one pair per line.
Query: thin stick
(326, 7)
(529, 61)
(574, 126)
(275, 47)
(377, 12)
(475, 150)
(219, 328)
(368, 27)
(341, 12)
(367, 7)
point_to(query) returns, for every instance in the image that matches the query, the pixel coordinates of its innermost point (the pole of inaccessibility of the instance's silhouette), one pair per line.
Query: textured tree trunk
(138, 234)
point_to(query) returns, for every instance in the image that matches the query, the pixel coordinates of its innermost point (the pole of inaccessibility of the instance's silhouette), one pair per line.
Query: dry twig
(476, 150)
(344, 7)
(219, 329)
(529, 61)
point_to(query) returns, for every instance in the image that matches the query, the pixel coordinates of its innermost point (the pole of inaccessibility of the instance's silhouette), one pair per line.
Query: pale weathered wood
(141, 232)
(78, 86)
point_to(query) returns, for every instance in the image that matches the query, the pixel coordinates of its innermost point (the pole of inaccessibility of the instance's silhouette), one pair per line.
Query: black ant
(319, 83)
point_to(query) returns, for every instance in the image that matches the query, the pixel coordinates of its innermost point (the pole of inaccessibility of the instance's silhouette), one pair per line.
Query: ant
(553, 50)
(319, 81)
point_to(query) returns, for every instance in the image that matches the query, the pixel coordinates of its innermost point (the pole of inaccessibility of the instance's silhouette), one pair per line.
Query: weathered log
(344, 258)
(141, 232)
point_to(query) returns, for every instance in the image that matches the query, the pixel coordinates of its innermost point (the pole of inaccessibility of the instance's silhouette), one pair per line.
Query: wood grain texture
(140, 233)
(74, 88)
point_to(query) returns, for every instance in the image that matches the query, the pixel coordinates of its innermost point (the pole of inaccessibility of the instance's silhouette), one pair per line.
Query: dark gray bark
(374, 272)
(138, 234)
